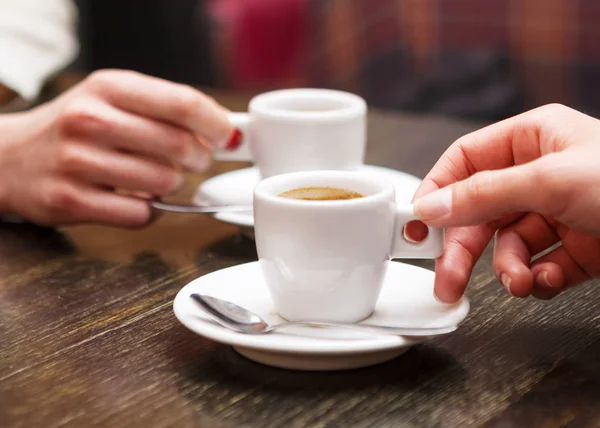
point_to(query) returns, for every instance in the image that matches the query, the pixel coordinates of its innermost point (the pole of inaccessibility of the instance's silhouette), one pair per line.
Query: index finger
(487, 148)
(166, 101)
(514, 141)
(484, 149)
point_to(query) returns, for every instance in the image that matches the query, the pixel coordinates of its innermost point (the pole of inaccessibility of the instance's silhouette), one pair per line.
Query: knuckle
(188, 104)
(547, 110)
(555, 192)
(100, 79)
(548, 113)
(167, 182)
(60, 198)
(179, 147)
(479, 185)
(555, 108)
(70, 158)
(79, 120)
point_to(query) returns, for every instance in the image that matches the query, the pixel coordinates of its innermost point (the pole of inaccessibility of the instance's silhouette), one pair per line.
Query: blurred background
(473, 59)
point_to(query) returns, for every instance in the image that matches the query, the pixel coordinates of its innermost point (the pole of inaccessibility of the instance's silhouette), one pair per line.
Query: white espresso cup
(326, 260)
(295, 130)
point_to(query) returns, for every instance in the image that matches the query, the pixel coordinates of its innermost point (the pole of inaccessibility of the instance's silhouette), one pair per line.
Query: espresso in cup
(320, 194)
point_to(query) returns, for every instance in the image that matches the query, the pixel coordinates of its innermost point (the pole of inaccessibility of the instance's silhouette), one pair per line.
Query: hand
(63, 162)
(533, 181)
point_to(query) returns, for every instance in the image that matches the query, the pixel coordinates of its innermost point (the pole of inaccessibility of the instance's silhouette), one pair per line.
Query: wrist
(12, 132)
(5, 126)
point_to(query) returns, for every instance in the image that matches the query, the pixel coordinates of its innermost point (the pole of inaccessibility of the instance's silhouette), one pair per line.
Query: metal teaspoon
(236, 318)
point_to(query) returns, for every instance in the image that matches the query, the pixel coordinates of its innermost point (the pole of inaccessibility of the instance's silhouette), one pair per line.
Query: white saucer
(237, 187)
(406, 300)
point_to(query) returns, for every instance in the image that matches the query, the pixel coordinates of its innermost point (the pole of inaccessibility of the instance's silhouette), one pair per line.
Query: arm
(37, 39)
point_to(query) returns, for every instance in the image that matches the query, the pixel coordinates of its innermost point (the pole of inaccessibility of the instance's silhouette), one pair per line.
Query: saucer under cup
(406, 300)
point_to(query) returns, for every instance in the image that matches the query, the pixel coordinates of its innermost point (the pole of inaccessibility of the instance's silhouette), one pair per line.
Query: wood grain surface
(88, 336)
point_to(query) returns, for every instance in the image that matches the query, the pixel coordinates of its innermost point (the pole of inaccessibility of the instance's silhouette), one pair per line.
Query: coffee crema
(320, 194)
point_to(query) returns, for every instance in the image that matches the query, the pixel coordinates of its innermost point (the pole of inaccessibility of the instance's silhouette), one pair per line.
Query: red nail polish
(235, 140)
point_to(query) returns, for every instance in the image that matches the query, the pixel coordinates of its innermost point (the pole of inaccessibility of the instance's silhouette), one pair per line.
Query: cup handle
(430, 248)
(242, 152)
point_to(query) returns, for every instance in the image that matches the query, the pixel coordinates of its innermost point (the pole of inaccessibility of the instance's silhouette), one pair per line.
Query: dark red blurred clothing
(267, 39)
(466, 57)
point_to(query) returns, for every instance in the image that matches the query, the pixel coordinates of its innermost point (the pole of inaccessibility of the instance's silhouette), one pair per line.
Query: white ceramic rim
(246, 221)
(345, 105)
(375, 189)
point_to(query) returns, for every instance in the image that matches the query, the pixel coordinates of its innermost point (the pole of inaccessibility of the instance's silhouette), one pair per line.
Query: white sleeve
(37, 39)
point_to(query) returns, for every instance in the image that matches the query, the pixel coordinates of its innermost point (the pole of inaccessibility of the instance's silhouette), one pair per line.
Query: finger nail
(437, 299)
(406, 237)
(154, 213)
(434, 205)
(543, 279)
(445, 302)
(234, 140)
(505, 279)
(197, 160)
(179, 182)
(141, 195)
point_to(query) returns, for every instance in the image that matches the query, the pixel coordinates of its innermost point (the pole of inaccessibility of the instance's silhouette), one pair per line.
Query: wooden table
(88, 336)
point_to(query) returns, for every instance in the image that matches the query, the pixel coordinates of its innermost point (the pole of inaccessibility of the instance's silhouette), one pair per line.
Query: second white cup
(294, 130)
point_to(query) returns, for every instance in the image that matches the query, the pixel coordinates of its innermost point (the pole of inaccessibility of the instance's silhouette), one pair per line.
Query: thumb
(485, 196)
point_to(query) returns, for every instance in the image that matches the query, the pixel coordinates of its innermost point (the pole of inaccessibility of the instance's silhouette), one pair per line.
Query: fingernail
(505, 279)
(543, 279)
(141, 195)
(179, 182)
(197, 160)
(154, 213)
(234, 140)
(406, 237)
(434, 205)
(437, 299)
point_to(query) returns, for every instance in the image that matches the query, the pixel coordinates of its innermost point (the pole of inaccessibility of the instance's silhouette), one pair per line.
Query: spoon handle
(196, 209)
(379, 329)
